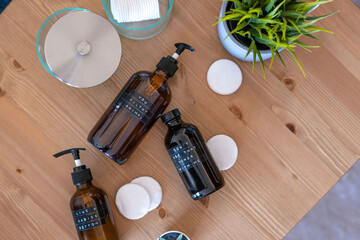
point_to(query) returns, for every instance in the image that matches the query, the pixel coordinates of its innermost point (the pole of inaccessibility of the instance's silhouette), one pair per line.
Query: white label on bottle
(90, 217)
(186, 155)
(137, 105)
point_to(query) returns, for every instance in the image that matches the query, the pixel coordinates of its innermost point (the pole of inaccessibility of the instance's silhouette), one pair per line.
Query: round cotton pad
(224, 151)
(133, 201)
(153, 188)
(224, 77)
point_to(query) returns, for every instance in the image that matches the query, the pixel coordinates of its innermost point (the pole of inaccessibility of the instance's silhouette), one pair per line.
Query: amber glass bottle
(135, 109)
(89, 205)
(191, 156)
(90, 208)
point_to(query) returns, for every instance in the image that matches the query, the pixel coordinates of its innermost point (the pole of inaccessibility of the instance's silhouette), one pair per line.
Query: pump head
(75, 152)
(180, 48)
(169, 64)
(81, 174)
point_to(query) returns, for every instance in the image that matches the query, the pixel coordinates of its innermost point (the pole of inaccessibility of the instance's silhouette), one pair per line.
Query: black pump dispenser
(89, 204)
(81, 174)
(169, 64)
(136, 108)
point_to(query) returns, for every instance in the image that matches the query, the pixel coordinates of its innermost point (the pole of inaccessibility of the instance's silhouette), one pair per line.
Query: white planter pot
(233, 46)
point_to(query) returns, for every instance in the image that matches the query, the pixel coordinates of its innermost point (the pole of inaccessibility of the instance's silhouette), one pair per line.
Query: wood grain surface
(296, 136)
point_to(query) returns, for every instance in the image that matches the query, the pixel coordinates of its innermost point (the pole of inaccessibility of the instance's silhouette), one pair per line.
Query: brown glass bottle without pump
(191, 156)
(89, 205)
(135, 110)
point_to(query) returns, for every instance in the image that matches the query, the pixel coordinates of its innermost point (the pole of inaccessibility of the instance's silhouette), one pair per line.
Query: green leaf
(320, 17)
(294, 24)
(270, 5)
(247, 2)
(257, 11)
(292, 39)
(284, 29)
(254, 58)
(297, 60)
(268, 42)
(230, 17)
(292, 14)
(278, 55)
(265, 20)
(319, 29)
(247, 16)
(180, 237)
(275, 10)
(238, 28)
(313, 37)
(251, 47)
(306, 6)
(236, 10)
(254, 5)
(304, 44)
(264, 3)
(257, 29)
(272, 49)
(302, 25)
(261, 60)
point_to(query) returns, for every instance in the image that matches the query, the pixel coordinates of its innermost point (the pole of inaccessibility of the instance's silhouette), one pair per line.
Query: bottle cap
(171, 115)
(169, 64)
(81, 174)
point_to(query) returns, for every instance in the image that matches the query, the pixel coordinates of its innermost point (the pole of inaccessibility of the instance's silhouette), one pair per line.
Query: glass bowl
(44, 30)
(80, 48)
(143, 29)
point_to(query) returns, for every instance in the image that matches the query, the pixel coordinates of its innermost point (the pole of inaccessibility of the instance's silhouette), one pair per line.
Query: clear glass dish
(80, 48)
(143, 29)
(43, 32)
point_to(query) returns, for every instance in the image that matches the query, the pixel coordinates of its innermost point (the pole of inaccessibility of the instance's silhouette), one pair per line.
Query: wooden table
(296, 136)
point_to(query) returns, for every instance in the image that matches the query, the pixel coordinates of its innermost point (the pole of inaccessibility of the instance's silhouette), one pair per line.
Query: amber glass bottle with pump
(135, 109)
(191, 156)
(89, 205)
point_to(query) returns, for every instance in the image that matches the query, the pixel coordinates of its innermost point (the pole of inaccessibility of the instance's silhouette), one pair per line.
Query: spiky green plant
(276, 24)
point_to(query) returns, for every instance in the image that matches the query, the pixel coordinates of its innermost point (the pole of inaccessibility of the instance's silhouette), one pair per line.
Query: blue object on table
(3, 4)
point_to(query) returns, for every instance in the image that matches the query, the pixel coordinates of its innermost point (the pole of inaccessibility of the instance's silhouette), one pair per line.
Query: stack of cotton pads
(134, 200)
(134, 10)
(223, 150)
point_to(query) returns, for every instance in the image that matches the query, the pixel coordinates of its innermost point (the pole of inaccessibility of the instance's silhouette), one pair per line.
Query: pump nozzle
(181, 47)
(81, 174)
(75, 152)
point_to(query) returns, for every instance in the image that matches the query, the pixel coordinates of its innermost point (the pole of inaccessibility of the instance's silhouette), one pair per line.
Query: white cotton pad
(224, 77)
(153, 188)
(133, 201)
(125, 11)
(224, 151)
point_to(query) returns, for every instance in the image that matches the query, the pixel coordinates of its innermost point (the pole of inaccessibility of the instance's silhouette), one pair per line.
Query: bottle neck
(162, 74)
(175, 122)
(84, 185)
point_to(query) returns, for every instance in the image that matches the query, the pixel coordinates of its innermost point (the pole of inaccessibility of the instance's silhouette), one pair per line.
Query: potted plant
(256, 30)
(173, 235)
